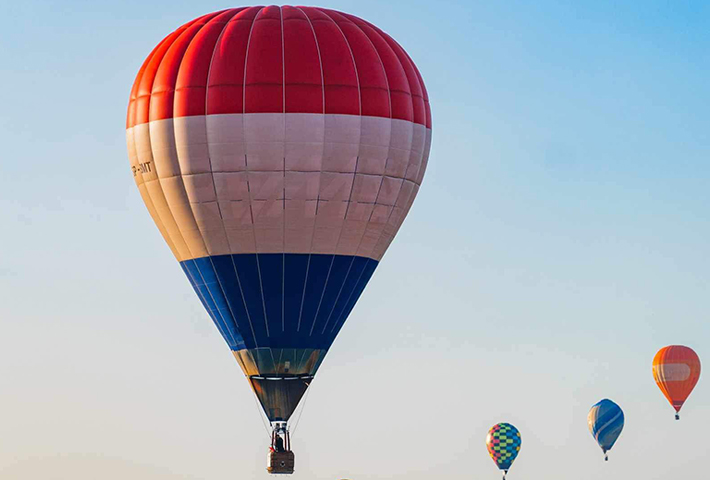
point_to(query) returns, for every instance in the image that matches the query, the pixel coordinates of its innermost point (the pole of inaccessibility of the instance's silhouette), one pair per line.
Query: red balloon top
(278, 60)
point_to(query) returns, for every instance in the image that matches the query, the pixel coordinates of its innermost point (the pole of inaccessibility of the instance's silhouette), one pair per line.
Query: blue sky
(559, 240)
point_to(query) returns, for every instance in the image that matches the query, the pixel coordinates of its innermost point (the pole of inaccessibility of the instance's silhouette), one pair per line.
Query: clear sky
(560, 238)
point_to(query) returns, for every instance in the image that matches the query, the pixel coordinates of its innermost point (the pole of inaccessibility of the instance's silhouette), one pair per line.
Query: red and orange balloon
(676, 370)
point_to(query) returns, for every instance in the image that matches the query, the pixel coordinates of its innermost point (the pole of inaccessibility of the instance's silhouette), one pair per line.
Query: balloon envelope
(676, 370)
(278, 150)
(503, 443)
(606, 421)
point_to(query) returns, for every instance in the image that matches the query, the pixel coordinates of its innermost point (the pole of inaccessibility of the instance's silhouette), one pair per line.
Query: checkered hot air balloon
(278, 150)
(503, 442)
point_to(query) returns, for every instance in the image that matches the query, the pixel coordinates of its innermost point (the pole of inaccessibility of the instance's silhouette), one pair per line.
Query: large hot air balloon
(677, 370)
(606, 421)
(503, 442)
(278, 150)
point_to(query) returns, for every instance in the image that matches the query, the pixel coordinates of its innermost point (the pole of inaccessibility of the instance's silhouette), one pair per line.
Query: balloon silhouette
(676, 370)
(503, 443)
(278, 151)
(606, 421)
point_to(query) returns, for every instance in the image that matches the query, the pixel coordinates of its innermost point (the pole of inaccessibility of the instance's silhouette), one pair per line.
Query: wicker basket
(280, 462)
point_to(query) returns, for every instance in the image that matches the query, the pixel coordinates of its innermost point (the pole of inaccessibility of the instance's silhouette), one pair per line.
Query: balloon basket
(280, 463)
(281, 459)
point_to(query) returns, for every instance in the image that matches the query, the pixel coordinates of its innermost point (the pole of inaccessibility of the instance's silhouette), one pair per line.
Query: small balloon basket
(280, 463)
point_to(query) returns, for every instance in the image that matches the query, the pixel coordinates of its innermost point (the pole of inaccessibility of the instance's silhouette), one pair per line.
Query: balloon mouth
(280, 395)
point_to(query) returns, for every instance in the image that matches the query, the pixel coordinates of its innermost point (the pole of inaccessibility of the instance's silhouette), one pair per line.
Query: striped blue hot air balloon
(606, 421)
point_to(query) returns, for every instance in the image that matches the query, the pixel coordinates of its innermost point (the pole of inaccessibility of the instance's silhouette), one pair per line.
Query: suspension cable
(303, 407)
(262, 416)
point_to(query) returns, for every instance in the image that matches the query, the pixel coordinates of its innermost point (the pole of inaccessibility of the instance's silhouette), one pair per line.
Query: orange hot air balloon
(676, 369)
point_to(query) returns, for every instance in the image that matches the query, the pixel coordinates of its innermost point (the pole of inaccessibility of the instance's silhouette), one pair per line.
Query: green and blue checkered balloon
(503, 442)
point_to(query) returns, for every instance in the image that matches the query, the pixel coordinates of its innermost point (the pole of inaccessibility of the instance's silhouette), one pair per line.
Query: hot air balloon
(676, 370)
(503, 443)
(278, 150)
(606, 421)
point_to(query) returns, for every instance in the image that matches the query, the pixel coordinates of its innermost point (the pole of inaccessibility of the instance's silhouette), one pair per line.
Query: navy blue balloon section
(279, 300)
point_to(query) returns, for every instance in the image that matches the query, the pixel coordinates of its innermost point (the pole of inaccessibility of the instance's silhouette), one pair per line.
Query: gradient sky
(559, 240)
